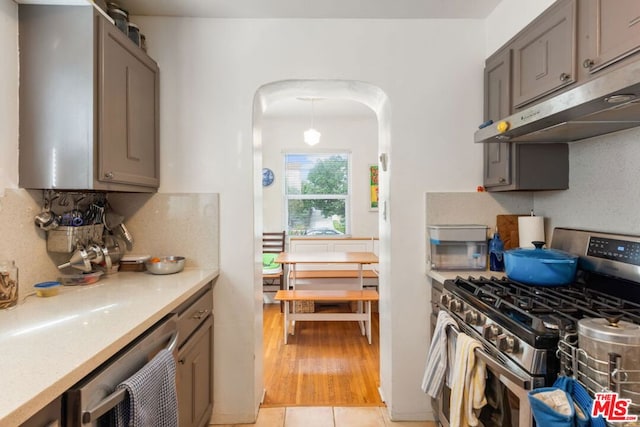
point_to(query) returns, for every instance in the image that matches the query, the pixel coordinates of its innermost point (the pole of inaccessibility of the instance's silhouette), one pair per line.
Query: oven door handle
(110, 402)
(495, 366)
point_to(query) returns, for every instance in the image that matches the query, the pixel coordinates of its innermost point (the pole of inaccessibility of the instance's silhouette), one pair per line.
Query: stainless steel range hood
(606, 104)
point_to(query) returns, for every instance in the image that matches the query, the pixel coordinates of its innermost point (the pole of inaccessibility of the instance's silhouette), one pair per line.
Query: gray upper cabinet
(508, 166)
(611, 32)
(497, 86)
(544, 54)
(128, 106)
(89, 103)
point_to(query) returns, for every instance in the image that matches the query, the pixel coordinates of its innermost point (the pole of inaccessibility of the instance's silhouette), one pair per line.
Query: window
(317, 191)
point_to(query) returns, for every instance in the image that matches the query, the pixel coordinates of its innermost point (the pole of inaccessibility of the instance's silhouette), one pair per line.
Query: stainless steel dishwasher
(90, 401)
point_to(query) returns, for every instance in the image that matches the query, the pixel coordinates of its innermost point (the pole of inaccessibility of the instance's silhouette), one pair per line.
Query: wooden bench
(366, 296)
(334, 274)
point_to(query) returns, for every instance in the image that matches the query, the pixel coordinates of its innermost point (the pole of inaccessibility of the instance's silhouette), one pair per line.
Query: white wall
(358, 135)
(211, 70)
(509, 17)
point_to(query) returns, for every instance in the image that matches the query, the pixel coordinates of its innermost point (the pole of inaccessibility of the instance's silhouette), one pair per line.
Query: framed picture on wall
(373, 187)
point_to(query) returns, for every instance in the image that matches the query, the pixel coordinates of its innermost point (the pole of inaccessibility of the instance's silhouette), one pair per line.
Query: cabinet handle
(108, 175)
(564, 77)
(588, 63)
(200, 314)
(502, 180)
(181, 361)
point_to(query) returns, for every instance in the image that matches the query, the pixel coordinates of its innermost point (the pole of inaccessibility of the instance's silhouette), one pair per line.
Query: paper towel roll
(530, 229)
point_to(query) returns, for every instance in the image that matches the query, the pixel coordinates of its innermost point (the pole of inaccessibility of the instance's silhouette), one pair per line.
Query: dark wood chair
(273, 243)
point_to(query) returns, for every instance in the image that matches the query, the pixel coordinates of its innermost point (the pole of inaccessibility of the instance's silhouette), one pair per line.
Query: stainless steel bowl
(165, 265)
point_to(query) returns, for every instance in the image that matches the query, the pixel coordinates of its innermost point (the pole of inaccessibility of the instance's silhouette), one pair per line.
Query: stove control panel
(617, 250)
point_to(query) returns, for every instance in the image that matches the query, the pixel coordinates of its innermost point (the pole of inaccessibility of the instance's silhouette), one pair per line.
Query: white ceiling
(332, 9)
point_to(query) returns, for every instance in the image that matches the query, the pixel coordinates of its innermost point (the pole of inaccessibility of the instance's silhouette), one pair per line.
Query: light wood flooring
(324, 363)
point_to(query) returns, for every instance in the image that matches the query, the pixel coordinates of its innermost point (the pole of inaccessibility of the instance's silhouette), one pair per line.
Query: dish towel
(469, 378)
(438, 357)
(151, 399)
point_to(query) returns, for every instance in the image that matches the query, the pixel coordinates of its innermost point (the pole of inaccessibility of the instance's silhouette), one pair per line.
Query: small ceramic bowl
(165, 265)
(47, 289)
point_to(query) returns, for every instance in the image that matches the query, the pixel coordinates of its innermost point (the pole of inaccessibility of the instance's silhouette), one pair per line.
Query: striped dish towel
(151, 395)
(467, 390)
(438, 357)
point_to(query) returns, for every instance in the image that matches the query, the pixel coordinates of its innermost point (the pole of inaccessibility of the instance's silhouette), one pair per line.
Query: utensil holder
(65, 239)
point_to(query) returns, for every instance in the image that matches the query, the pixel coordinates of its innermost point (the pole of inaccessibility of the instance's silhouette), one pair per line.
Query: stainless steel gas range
(529, 334)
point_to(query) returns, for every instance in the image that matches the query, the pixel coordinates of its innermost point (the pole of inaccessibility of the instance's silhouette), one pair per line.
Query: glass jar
(134, 33)
(120, 18)
(8, 284)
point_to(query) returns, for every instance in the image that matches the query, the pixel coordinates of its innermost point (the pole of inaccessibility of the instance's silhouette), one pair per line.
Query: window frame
(347, 198)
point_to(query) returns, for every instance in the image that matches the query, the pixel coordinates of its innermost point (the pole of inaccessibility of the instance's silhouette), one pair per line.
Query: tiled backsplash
(173, 224)
(161, 224)
(475, 208)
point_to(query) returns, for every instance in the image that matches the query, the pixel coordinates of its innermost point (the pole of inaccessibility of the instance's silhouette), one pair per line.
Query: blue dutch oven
(541, 267)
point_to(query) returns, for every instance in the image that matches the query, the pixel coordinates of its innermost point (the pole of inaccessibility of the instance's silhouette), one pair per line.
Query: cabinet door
(613, 32)
(497, 98)
(195, 389)
(128, 111)
(545, 55)
(49, 416)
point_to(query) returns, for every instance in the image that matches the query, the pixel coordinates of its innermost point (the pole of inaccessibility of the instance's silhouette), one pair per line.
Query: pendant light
(311, 136)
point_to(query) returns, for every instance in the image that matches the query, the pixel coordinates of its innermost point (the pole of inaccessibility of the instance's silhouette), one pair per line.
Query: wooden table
(295, 258)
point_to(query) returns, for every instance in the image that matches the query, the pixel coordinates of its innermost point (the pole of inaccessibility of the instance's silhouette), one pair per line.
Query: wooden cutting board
(508, 228)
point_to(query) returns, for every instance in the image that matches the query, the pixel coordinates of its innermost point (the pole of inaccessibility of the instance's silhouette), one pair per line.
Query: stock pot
(598, 337)
(541, 267)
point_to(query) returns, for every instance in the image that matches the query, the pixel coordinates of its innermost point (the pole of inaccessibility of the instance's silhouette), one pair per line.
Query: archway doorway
(374, 99)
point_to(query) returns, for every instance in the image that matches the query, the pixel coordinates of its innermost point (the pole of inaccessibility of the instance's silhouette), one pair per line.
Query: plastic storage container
(458, 247)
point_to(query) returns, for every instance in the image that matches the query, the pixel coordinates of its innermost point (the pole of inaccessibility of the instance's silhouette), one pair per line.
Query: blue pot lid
(539, 253)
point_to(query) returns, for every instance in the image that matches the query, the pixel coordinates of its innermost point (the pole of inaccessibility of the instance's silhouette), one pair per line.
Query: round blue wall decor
(267, 177)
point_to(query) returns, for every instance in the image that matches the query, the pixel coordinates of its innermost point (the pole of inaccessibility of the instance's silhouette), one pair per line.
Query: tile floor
(326, 416)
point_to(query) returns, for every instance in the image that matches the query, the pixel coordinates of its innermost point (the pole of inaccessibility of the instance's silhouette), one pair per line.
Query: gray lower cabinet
(544, 55)
(49, 416)
(611, 32)
(89, 103)
(195, 361)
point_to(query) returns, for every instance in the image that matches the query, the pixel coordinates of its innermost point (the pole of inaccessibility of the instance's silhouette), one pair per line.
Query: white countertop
(49, 344)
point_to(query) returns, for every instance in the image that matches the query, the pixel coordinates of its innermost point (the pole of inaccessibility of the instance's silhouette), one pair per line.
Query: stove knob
(472, 317)
(444, 300)
(455, 305)
(507, 343)
(490, 332)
